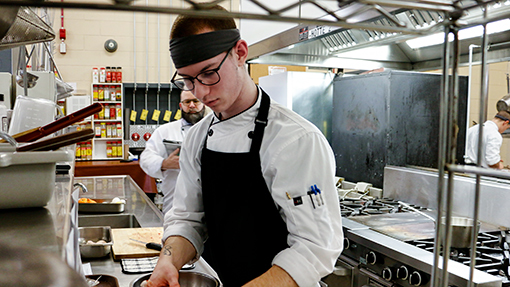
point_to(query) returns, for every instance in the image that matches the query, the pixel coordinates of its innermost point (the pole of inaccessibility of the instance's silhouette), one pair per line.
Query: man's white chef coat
(294, 155)
(492, 141)
(155, 152)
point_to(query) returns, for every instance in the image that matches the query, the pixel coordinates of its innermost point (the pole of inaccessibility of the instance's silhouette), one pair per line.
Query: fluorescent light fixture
(472, 32)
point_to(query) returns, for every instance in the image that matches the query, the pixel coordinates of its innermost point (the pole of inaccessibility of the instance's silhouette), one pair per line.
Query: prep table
(145, 212)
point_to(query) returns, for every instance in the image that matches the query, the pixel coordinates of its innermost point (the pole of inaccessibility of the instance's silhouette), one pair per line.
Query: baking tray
(27, 179)
(102, 206)
(105, 280)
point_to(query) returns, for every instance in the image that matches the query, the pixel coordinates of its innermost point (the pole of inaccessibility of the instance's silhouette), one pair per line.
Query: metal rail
(332, 18)
(454, 9)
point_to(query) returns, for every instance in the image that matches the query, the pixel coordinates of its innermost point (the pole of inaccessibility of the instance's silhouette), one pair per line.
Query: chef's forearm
(178, 250)
(275, 276)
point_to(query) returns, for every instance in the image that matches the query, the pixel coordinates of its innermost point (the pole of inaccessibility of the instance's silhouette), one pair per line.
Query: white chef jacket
(492, 141)
(152, 157)
(294, 155)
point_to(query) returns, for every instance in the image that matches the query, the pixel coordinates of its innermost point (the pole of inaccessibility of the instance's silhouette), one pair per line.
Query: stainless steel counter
(138, 204)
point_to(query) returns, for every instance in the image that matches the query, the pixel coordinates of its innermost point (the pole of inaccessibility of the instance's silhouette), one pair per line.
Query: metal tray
(102, 206)
(95, 233)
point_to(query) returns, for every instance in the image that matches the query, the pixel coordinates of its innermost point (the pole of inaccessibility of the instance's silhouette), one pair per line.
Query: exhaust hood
(21, 26)
(368, 49)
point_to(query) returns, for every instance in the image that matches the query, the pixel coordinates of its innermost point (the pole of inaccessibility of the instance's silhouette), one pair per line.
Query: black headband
(197, 48)
(502, 117)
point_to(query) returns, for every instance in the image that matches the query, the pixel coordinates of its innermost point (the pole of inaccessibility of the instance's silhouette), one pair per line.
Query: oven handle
(342, 271)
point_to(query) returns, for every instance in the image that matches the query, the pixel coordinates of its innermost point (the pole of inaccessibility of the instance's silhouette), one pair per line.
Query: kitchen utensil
(93, 282)
(105, 281)
(37, 133)
(57, 142)
(186, 279)
(150, 245)
(91, 245)
(462, 227)
(123, 247)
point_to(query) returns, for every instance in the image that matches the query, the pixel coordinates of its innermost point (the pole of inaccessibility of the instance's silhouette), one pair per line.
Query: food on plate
(86, 200)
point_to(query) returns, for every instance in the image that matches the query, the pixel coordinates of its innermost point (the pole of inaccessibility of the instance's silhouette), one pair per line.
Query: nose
(192, 105)
(200, 92)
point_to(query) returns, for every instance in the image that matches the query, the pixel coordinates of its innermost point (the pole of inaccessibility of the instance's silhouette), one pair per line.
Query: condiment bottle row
(109, 112)
(107, 75)
(114, 149)
(107, 93)
(84, 150)
(108, 130)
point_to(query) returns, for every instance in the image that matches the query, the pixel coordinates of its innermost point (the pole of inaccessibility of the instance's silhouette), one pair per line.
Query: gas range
(388, 245)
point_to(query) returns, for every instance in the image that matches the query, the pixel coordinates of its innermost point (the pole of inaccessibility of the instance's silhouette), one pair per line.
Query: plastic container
(27, 179)
(29, 113)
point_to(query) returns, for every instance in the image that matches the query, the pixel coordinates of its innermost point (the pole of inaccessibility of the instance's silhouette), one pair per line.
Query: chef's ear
(241, 52)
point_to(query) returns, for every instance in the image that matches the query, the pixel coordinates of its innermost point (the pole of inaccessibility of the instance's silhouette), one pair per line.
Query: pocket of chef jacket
(308, 220)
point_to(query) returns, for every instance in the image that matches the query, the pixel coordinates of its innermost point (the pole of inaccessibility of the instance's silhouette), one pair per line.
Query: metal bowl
(95, 234)
(186, 279)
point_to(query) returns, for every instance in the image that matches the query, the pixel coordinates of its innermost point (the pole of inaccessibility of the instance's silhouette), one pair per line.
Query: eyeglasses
(189, 101)
(208, 78)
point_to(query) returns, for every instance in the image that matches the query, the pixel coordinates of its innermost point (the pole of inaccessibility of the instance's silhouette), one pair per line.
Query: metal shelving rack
(451, 23)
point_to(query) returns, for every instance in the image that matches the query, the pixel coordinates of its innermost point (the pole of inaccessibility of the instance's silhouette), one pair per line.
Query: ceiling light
(471, 32)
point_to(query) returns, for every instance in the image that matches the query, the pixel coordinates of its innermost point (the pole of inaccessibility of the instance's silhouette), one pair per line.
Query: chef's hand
(172, 161)
(175, 253)
(164, 274)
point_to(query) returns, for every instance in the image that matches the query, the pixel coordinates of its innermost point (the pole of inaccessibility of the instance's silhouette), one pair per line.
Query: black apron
(244, 226)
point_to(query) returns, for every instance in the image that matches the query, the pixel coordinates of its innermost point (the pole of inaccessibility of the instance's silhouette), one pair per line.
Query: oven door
(367, 278)
(344, 274)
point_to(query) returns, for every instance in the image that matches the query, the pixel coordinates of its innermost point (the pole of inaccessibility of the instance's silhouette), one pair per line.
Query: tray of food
(96, 205)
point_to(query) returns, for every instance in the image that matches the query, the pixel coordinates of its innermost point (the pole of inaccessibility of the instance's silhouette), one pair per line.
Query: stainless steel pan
(462, 227)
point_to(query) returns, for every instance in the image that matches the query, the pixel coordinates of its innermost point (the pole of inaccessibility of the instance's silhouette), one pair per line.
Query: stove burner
(492, 253)
(372, 206)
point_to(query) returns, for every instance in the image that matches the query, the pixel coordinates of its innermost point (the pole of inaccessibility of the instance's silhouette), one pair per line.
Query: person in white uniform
(155, 161)
(257, 180)
(491, 142)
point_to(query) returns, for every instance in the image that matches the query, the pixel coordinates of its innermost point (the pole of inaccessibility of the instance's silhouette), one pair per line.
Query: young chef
(257, 180)
(155, 161)
(491, 142)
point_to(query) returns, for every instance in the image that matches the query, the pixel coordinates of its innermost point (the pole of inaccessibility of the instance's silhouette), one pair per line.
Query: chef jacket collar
(242, 119)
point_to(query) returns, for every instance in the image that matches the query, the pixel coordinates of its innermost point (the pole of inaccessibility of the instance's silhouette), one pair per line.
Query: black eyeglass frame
(192, 79)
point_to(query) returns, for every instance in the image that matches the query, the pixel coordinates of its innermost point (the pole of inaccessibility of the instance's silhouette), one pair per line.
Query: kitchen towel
(138, 265)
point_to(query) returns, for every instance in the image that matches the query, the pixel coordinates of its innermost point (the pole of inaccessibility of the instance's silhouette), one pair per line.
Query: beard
(193, 118)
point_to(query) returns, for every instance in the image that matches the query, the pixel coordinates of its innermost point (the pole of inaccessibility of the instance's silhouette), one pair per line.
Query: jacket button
(210, 133)
(250, 134)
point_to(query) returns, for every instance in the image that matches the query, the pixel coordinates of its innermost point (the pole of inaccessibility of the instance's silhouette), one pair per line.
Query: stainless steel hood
(367, 49)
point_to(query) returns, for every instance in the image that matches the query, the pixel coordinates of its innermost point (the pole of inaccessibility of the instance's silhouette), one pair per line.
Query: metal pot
(462, 227)
(186, 279)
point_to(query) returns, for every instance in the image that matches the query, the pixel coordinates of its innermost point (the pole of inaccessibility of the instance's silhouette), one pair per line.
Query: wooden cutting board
(123, 247)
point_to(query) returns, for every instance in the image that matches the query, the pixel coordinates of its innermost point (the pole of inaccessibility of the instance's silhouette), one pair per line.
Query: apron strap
(260, 123)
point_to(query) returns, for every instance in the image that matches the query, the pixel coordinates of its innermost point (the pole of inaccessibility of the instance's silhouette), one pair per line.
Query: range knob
(402, 273)
(387, 274)
(371, 258)
(347, 243)
(415, 279)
